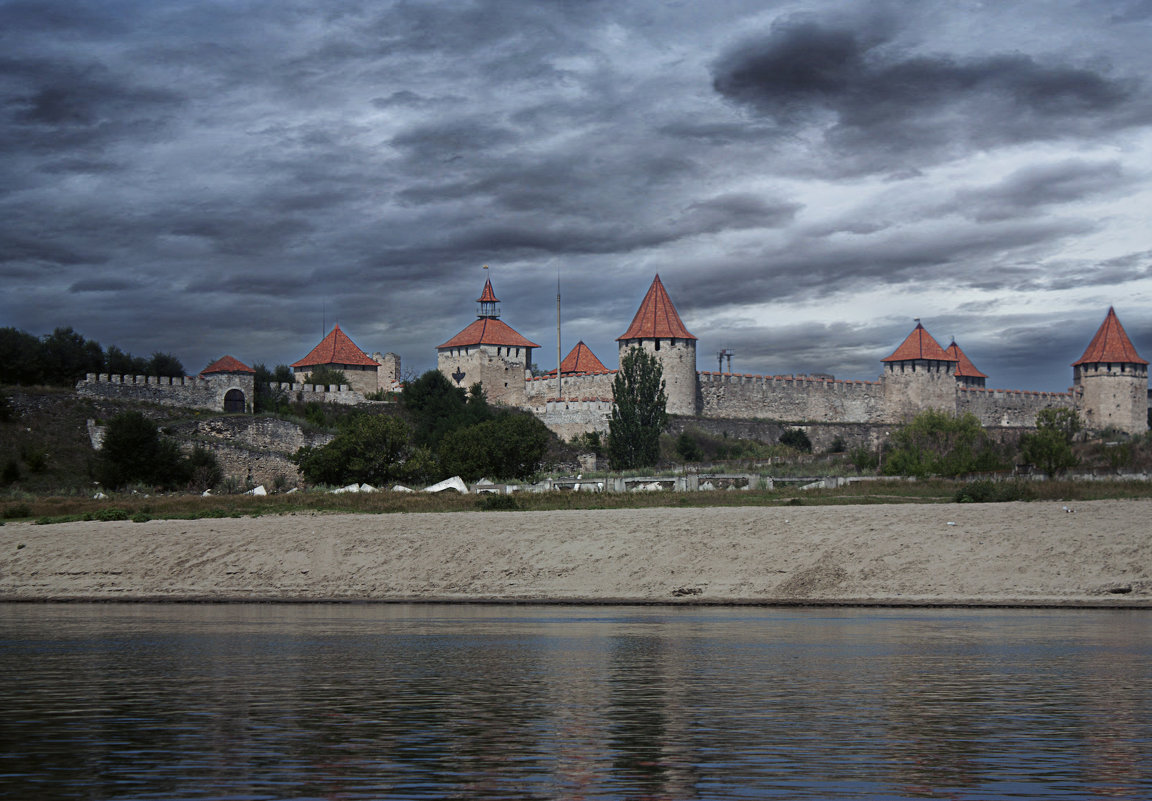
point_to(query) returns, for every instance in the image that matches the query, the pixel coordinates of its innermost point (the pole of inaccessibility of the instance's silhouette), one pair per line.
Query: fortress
(1110, 380)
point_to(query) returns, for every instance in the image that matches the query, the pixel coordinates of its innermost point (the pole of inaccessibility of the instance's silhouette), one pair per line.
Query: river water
(485, 702)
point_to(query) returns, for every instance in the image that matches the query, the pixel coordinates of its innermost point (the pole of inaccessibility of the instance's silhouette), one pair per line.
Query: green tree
(20, 361)
(937, 443)
(1049, 447)
(796, 438)
(437, 407)
(133, 450)
(326, 377)
(117, 362)
(368, 449)
(268, 399)
(639, 412)
(67, 357)
(165, 364)
(688, 449)
(510, 446)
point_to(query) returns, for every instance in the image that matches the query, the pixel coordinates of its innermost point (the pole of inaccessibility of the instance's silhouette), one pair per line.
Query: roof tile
(964, 366)
(581, 359)
(488, 331)
(336, 348)
(227, 364)
(1111, 344)
(919, 345)
(656, 318)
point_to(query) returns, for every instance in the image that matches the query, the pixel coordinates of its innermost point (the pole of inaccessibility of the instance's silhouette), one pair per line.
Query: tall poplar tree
(640, 411)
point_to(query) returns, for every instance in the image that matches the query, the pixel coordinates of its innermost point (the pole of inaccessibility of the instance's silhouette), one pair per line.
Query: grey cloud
(897, 107)
(1034, 188)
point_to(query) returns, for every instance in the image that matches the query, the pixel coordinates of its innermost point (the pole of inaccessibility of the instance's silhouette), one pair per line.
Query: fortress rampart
(215, 392)
(1010, 408)
(817, 399)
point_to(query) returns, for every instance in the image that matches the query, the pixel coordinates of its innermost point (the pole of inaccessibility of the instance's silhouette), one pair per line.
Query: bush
(134, 451)
(688, 449)
(368, 449)
(1049, 447)
(11, 472)
(796, 438)
(510, 446)
(985, 491)
(105, 515)
(864, 459)
(936, 443)
(35, 458)
(16, 510)
(498, 503)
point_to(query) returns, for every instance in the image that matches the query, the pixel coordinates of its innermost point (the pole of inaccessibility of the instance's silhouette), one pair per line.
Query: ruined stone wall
(790, 398)
(1113, 395)
(252, 450)
(199, 392)
(1009, 407)
(342, 394)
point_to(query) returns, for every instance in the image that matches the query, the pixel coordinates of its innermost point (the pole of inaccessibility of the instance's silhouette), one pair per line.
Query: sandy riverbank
(1035, 553)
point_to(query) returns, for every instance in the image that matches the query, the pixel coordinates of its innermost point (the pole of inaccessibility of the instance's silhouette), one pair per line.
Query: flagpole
(559, 386)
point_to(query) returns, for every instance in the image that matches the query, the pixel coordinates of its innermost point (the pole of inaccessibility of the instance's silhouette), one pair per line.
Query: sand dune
(1035, 553)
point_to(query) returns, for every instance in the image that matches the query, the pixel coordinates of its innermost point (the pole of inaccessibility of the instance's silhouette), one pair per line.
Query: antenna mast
(559, 385)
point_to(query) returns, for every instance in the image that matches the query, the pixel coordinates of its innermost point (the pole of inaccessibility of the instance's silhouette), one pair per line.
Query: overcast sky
(806, 177)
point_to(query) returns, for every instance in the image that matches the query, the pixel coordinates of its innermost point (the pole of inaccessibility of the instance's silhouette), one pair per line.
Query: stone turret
(658, 330)
(1111, 380)
(489, 352)
(919, 375)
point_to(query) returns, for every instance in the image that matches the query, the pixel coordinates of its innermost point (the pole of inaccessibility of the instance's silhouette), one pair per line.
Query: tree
(325, 376)
(20, 361)
(796, 438)
(687, 448)
(508, 446)
(368, 449)
(1049, 447)
(117, 362)
(936, 443)
(165, 364)
(133, 450)
(639, 413)
(438, 408)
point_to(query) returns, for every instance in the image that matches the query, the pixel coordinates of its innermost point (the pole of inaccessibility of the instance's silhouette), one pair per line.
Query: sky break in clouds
(807, 177)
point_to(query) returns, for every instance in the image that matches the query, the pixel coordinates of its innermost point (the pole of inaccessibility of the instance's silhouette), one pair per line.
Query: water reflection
(357, 702)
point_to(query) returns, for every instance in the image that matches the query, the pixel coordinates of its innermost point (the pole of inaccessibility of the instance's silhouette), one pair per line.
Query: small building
(1111, 380)
(230, 370)
(489, 352)
(338, 352)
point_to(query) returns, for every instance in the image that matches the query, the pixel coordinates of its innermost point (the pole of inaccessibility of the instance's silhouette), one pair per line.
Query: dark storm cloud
(887, 107)
(1032, 189)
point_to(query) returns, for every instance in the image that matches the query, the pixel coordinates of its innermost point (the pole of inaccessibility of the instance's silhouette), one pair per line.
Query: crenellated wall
(1010, 407)
(197, 392)
(793, 398)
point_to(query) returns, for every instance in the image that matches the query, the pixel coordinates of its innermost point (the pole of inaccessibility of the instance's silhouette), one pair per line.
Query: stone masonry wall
(1009, 407)
(196, 392)
(790, 398)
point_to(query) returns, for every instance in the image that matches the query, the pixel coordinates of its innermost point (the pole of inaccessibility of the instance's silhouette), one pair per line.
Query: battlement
(822, 382)
(1006, 393)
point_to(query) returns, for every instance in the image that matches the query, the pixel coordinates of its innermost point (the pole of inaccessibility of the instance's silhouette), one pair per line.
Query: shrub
(688, 449)
(368, 449)
(16, 510)
(510, 446)
(498, 503)
(11, 472)
(796, 438)
(1049, 447)
(134, 451)
(985, 491)
(105, 515)
(936, 443)
(864, 459)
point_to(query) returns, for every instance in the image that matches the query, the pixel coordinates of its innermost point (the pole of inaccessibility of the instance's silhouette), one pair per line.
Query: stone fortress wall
(205, 392)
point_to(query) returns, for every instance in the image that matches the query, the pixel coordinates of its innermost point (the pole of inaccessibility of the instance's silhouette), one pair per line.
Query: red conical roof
(919, 345)
(227, 364)
(656, 318)
(964, 366)
(581, 359)
(488, 331)
(1111, 344)
(487, 296)
(336, 348)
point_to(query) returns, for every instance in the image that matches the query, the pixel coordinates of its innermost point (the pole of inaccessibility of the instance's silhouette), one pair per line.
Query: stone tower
(488, 352)
(919, 375)
(657, 329)
(1111, 380)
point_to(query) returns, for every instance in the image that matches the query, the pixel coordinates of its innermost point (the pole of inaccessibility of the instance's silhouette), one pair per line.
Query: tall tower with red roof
(489, 352)
(919, 375)
(658, 330)
(1111, 380)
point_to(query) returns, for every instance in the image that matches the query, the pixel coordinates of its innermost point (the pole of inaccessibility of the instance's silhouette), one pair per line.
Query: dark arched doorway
(233, 401)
